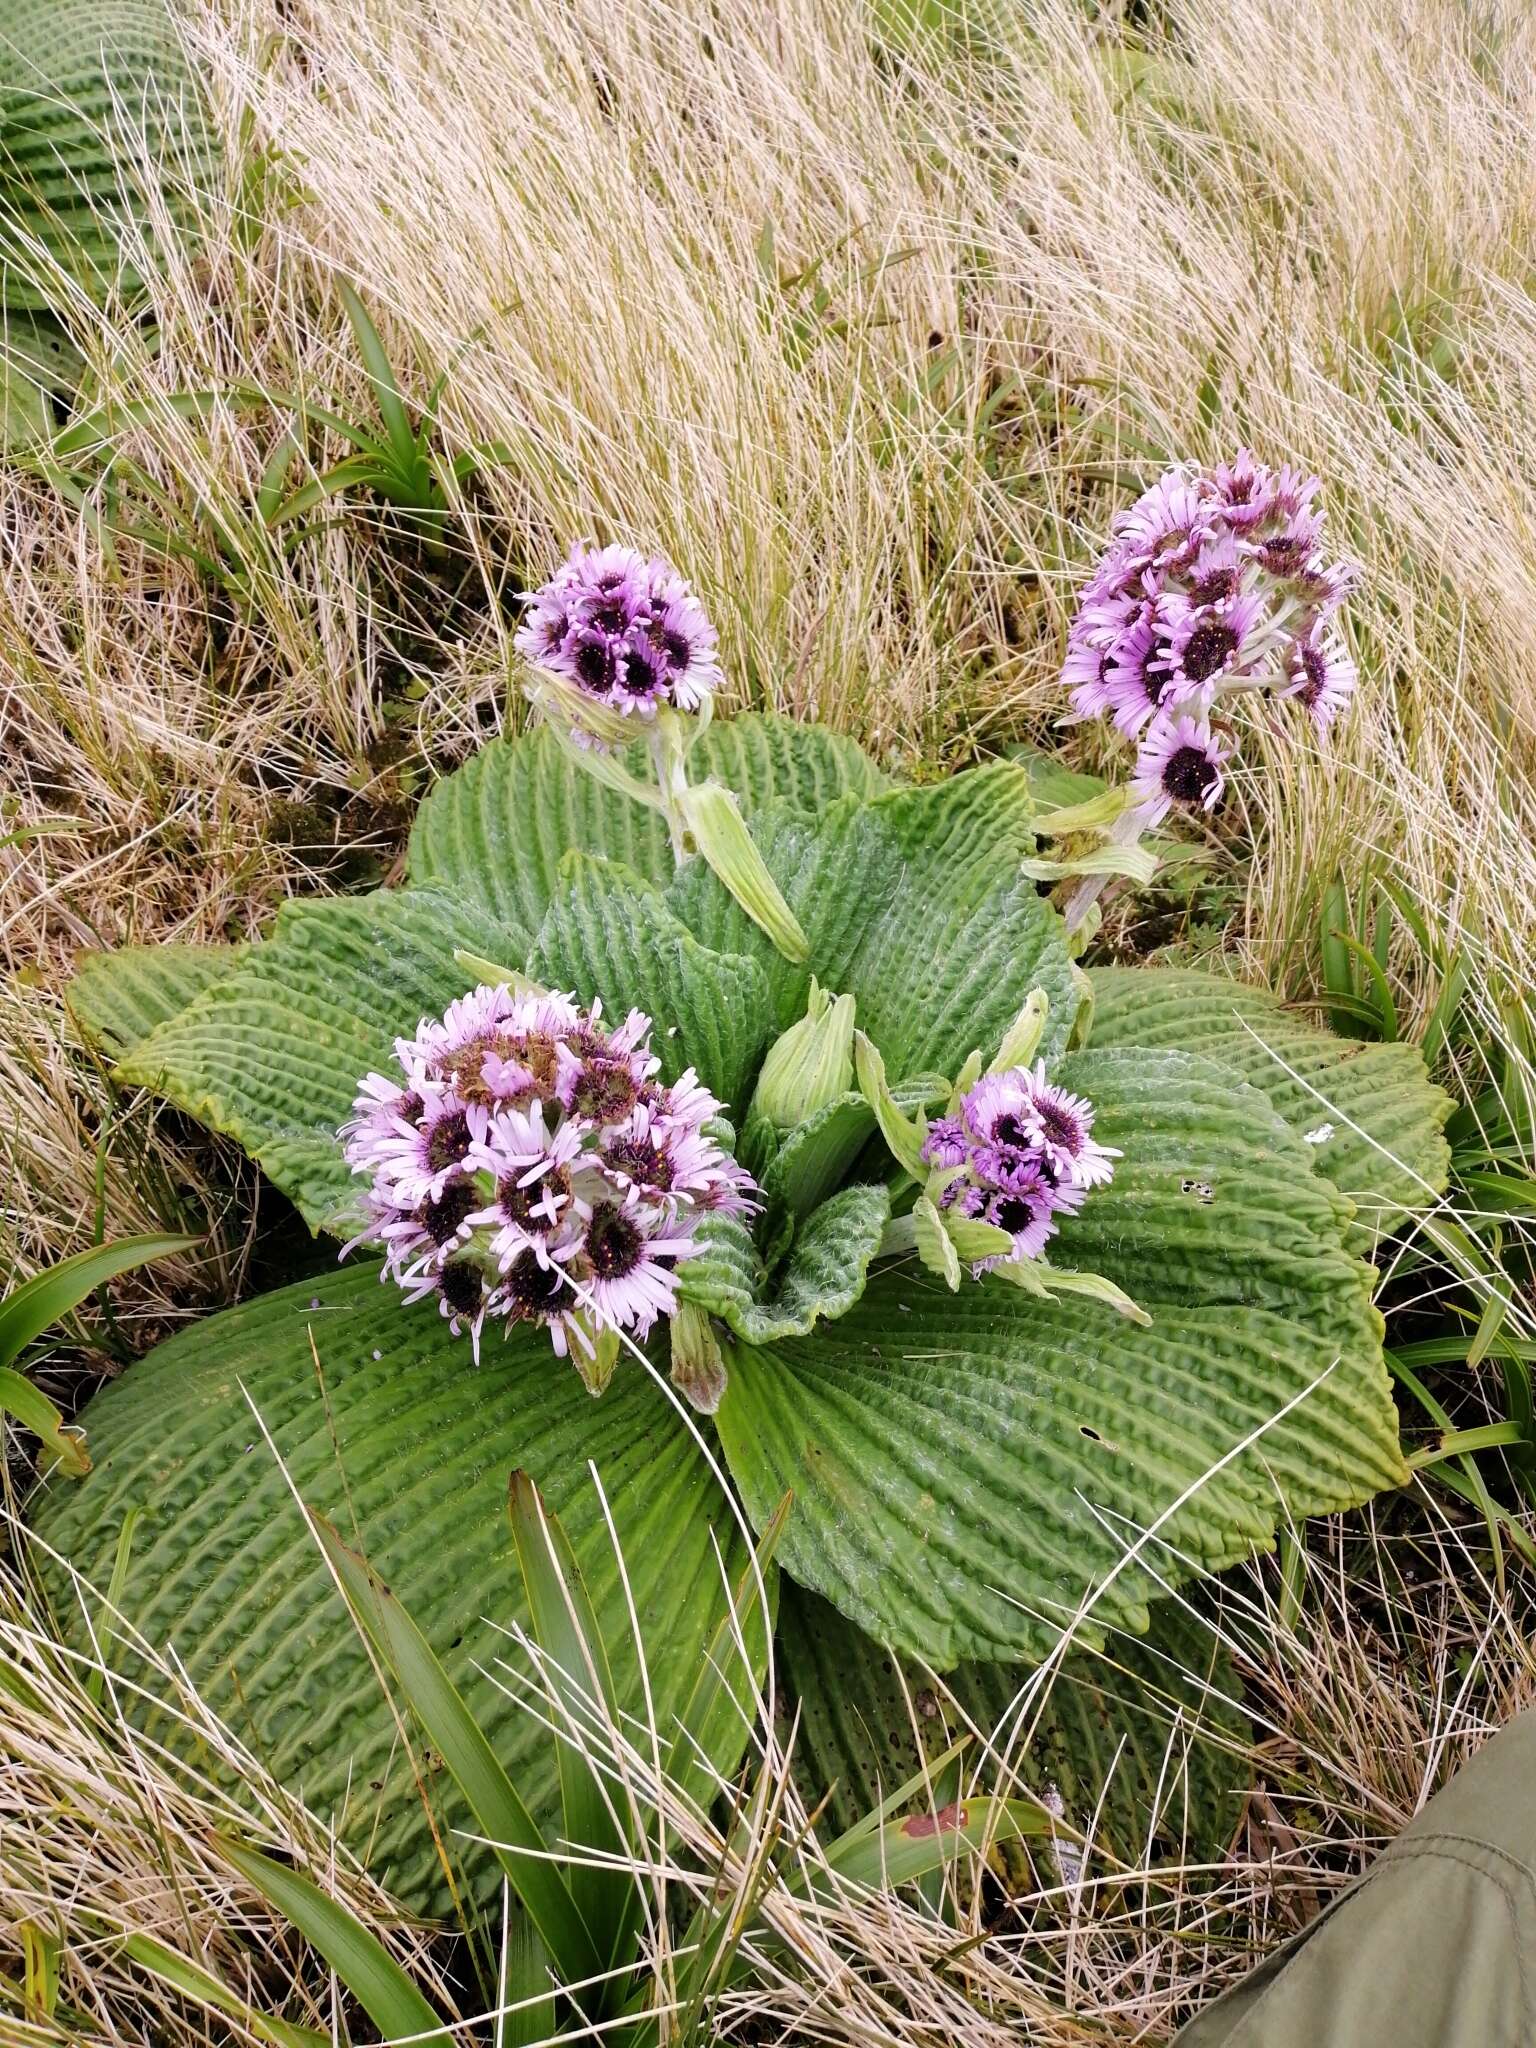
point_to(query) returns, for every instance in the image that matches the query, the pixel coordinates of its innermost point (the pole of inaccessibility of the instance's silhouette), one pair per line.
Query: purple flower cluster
(526, 1165)
(623, 631)
(1020, 1153)
(1213, 584)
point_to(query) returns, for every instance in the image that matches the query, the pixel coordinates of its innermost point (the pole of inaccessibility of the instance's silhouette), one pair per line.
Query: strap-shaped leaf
(821, 1278)
(970, 1469)
(913, 903)
(272, 1053)
(608, 934)
(119, 998)
(1141, 1741)
(407, 1446)
(1373, 1118)
(497, 829)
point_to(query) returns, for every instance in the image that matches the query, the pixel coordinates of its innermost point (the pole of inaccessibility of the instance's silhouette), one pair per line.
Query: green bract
(971, 1471)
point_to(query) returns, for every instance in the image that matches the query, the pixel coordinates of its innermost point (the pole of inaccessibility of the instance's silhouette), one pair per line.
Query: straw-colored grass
(870, 314)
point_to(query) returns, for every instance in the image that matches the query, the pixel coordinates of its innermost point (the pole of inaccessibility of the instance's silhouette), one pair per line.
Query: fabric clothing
(1434, 1947)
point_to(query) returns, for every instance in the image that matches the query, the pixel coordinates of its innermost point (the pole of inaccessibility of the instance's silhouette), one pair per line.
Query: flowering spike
(1214, 587)
(810, 1064)
(526, 1164)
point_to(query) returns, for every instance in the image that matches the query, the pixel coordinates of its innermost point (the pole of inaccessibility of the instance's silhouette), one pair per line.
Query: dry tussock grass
(872, 329)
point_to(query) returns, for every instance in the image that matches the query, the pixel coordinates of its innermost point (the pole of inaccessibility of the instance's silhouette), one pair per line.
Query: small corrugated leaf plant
(714, 1115)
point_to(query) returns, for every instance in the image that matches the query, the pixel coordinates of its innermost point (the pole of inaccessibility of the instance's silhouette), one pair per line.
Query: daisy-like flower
(1320, 676)
(617, 631)
(1181, 761)
(527, 1166)
(1208, 647)
(1018, 1152)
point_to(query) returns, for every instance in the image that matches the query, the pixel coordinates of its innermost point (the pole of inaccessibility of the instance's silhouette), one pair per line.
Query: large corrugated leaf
(272, 1053)
(1142, 1742)
(96, 96)
(403, 1442)
(1373, 1118)
(119, 998)
(970, 1469)
(914, 904)
(608, 934)
(497, 829)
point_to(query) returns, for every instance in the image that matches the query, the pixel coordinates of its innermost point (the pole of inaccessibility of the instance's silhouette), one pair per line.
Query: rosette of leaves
(972, 1471)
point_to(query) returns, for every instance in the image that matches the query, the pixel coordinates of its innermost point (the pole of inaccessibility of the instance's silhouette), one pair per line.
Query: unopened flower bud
(810, 1064)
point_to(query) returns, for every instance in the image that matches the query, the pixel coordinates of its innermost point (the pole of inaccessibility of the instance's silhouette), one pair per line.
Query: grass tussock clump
(870, 315)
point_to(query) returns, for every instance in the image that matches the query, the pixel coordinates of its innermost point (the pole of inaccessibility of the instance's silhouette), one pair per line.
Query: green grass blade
(384, 1991)
(711, 1698)
(576, 1664)
(29, 1309)
(381, 375)
(196, 1983)
(454, 1733)
(33, 1410)
(900, 1851)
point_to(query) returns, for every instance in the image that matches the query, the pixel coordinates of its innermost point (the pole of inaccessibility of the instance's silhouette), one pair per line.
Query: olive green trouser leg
(1435, 1947)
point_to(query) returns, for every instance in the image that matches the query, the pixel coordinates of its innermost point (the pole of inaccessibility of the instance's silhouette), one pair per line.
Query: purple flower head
(1018, 1153)
(623, 632)
(1215, 582)
(1181, 761)
(1320, 676)
(527, 1165)
(1206, 647)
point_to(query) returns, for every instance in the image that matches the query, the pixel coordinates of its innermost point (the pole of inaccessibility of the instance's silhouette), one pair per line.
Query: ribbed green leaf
(607, 933)
(497, 829)
(407, 1446)
(119, 998)
(821, 1277)
(969, 1468)
(1143, 1740)
(93, 94)
(913, 903)
(39, 367)
(1372, 1117)
(272, 1053)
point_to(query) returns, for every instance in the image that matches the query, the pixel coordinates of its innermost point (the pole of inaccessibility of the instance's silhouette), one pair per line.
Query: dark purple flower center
(1283, 556)
(594, 666)
(678, 649)
(1009, 1131)
(1060, 1126)
(614, 1242)
(1215, 586)
(1209, 649)
(642, 675)
(449, 1142)
(609, 613)
(552, 632)
(534, 1290)
(1012, 1213)
(462, 1287)
(441, 1219)
(410, 1106)
(606, 1090)
(518, 1203)
(642, 1159)
(1188, 774)
(1315, 669)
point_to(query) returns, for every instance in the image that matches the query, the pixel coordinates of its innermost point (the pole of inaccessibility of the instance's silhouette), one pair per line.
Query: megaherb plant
(769, 1092)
